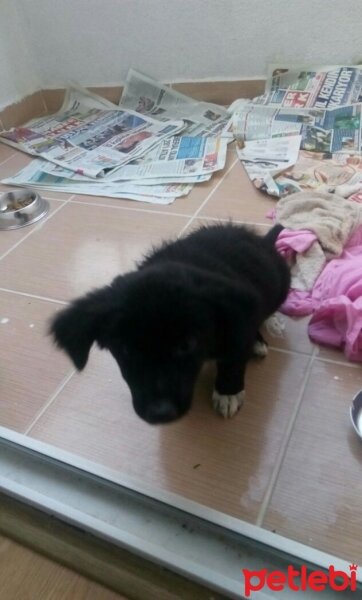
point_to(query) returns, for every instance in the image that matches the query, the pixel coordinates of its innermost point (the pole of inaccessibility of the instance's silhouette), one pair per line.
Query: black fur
(201, 297)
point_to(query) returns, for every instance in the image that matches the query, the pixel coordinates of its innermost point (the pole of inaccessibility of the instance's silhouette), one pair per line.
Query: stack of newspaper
(304, 132)
(152, 147)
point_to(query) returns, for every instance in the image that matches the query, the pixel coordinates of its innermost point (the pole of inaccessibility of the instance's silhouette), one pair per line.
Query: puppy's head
(160, 324)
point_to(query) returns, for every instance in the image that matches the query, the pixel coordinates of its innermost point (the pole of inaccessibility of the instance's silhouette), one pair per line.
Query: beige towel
(333, 220)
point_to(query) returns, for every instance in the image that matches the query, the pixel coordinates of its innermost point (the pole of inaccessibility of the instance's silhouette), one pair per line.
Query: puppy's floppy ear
(76, 328)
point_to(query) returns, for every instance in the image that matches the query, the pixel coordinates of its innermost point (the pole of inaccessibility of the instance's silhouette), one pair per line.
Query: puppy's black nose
(161, 412)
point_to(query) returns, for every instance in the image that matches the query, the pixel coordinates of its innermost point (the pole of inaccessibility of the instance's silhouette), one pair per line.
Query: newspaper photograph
(34, 175)
(90, 135)
(149, 97)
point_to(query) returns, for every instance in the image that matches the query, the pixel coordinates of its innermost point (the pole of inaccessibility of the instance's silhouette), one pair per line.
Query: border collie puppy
(201, 297)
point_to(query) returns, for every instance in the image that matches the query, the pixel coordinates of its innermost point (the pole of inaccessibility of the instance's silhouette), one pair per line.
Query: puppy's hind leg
(229, 393)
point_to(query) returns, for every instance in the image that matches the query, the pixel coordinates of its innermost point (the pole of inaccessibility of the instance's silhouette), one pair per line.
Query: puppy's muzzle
(162, 411)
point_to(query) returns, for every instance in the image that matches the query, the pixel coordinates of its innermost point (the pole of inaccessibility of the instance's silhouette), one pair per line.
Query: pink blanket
(335, 300)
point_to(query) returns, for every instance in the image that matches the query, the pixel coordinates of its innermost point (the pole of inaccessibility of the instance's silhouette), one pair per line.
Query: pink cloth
(290, 242)
(335, 301)
(298, 304)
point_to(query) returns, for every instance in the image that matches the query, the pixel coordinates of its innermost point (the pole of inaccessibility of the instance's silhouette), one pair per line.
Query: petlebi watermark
(300, 580)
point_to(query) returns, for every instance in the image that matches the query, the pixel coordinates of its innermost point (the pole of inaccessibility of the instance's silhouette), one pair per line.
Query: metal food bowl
(356, 413)
(20, 208)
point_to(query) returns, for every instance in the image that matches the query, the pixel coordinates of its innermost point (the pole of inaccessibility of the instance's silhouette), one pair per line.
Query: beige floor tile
(5, 153)
(225, 464)
(335, 354)
(14, 161)
(237, 198)
(317, 499)
(25, 575)
(186, 205)
(30, 368)
(9, 238)
(83, 247)
(294, 337)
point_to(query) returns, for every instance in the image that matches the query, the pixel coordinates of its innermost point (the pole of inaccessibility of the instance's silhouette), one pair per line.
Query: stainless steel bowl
(20, 208)
(356, 413)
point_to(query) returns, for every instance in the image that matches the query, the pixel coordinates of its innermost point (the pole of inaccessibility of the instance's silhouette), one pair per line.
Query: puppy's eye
(185, 347)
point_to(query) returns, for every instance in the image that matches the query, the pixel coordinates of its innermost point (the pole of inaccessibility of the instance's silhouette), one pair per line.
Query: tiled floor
(289, 461)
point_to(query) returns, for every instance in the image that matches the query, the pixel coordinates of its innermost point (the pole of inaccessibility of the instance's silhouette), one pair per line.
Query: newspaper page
(263, 122)
(58, 171)
(265, 159)
(312, 86)
(333, 130)
(179, 159)
(90, 135)
(149, 97)
(178, 156)
(34, 176)
(320, 104)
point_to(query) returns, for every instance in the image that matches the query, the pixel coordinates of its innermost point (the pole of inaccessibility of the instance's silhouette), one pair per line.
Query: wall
(95, 41)
(18, 75)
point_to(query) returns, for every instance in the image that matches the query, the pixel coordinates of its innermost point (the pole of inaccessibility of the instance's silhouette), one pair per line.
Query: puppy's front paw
(260, 349)
(227, 405)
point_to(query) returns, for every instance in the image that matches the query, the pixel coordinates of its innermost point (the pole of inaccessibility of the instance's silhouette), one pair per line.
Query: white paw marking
(275, 325)
(227, 406)
(260, 349)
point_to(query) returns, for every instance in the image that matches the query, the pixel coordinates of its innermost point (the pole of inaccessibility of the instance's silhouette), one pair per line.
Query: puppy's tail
(271, 237)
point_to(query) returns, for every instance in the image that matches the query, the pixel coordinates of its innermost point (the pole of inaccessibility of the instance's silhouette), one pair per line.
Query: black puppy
(201, 297)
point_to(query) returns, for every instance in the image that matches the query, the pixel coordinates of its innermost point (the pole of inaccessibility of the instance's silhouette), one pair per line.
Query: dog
(201, 297)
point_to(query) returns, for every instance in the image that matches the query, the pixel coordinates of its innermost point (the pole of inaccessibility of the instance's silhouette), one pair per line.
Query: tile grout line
(194, 216)
(51, 198)
(36, 228)
(148, 211)
(284, 445)
(226, 220)
(350, 365)
(28, 295)
(155, 212)
(52, 398)
(6, 159)
(341, 363)
(286, 351)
